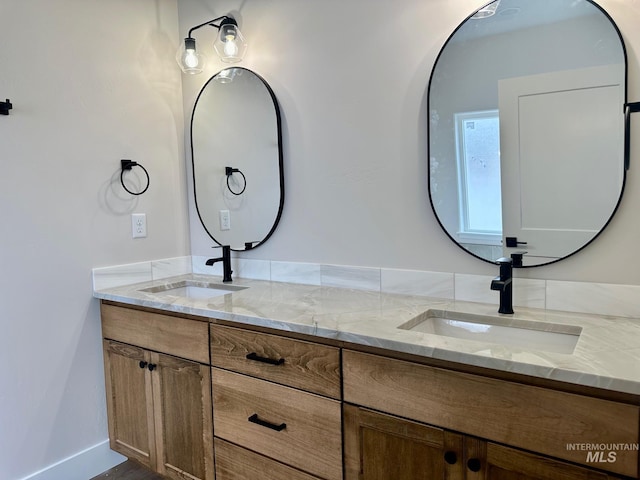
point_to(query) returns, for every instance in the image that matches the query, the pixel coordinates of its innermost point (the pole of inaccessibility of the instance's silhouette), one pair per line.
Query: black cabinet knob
(450, 457)
(474, 465)
(152, 367)
(142, 364)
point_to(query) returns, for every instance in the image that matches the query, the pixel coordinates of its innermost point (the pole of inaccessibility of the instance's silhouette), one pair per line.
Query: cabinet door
(183, 425)
(488, 461)
(381, 447)
(129, 402)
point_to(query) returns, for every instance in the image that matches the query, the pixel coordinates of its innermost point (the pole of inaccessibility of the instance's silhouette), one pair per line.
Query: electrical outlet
(139, 225)
(225, 220)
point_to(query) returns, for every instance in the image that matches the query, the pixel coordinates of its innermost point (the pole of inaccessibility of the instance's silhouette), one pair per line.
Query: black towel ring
(128, 165)
(229, 171)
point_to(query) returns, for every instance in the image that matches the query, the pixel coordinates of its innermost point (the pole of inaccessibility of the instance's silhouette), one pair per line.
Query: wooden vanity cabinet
(379, 446)
(509, 431)
(282, 408)
(277, 400)
(158, 405)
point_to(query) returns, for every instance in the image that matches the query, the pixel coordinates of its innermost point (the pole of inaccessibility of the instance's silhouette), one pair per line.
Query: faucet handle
(517, 258)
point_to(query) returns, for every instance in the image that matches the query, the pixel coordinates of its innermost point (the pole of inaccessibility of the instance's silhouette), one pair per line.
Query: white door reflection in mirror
(559, 130)
(562, 181)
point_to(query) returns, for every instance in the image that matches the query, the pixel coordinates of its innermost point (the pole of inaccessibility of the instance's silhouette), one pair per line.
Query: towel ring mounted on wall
(128, 165)
(229, 171)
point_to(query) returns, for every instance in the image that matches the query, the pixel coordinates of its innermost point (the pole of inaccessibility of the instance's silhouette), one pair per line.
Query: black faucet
(504, 284)
(226, 263)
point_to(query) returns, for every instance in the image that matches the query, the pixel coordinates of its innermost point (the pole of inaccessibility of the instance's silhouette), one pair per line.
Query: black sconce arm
(224, 21)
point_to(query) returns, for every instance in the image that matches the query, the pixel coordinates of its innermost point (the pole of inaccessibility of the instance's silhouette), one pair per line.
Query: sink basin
(513, 332)
(193, 289)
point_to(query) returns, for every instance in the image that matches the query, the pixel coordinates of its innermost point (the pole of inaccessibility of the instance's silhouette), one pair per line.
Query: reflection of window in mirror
(478, 155)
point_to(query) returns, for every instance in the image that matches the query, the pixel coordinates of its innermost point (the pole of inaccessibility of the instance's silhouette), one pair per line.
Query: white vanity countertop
(607, 354)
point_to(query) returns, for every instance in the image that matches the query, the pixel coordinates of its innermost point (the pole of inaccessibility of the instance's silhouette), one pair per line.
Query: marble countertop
(607, 353)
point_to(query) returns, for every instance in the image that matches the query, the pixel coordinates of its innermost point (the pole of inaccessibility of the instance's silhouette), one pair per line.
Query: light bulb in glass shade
(188, 58)
(230, 45)
(230, 48)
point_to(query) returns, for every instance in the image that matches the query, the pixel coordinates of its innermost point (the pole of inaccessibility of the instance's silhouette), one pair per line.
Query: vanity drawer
(296, 363)
(176, 336)
(297, 428)
(237, 463)
(534, 418)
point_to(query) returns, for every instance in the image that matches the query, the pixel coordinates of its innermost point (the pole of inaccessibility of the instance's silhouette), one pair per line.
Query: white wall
(91, 82)
(351, 77)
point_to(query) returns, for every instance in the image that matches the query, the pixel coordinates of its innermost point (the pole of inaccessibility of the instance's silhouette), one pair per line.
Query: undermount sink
(513, 332)
(194, 289)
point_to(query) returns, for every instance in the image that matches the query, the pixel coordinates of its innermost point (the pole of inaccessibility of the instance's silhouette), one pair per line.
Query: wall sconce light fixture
(229, 45)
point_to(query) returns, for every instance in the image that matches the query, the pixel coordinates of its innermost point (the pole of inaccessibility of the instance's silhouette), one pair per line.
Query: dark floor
(128, 470)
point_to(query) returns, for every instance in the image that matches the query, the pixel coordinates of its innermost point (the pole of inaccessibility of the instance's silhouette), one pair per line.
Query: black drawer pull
(142, 364)
(258, 358)
(278, 428)
(152, 367)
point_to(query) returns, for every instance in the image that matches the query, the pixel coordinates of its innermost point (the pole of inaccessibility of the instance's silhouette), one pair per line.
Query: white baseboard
(81, 466)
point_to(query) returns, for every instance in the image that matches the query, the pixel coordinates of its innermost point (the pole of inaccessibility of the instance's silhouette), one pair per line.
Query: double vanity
(269, 380)
(254, 379)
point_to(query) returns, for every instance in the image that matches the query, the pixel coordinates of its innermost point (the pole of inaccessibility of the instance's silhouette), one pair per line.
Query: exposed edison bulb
(189, 59)
(230, 47)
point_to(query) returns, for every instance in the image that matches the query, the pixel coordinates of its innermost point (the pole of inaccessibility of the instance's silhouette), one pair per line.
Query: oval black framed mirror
(526, 129)
(236, 153)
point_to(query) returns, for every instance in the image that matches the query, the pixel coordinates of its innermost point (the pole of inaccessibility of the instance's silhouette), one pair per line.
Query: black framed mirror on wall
(527, 129)
(236, 148)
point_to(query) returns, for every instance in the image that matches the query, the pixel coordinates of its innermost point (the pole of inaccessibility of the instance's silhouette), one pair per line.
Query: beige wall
(351, 77)
(91, 82)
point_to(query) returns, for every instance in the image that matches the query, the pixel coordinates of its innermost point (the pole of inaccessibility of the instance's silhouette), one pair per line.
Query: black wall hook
(5, 107)
(128, 165)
